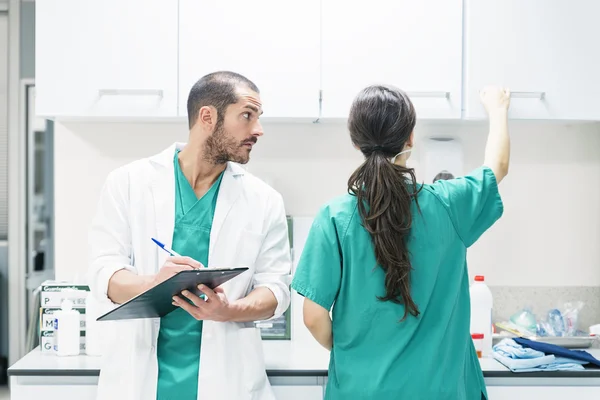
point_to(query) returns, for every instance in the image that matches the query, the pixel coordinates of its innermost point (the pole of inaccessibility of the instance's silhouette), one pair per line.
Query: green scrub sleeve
(319, 271)
(473, 202)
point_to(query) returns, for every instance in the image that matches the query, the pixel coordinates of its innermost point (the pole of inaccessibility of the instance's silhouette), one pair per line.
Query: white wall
(549, 235)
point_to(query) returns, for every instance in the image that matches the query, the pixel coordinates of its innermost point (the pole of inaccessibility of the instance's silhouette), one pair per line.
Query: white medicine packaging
(47, 320)
(47, 342)
(51, 297)
(53, 294)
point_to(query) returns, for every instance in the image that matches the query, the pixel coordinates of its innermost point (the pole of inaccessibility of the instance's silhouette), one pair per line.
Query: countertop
(282, 358)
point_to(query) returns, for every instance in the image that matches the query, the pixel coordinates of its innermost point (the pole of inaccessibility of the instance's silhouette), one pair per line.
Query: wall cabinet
(543, 50)
(414, 45)
(106, 58)
(273, 43)
(139, 58)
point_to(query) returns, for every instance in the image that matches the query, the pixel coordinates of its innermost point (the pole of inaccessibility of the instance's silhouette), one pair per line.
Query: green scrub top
(179, 338)
(374, 356)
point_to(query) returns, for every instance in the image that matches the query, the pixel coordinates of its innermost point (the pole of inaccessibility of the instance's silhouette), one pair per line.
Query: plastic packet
(545, 329)
(556, 323)
(525, 321)
(571, 317)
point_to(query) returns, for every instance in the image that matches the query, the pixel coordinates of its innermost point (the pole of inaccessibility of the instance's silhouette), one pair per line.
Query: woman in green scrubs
(178, 347)
(389, 260)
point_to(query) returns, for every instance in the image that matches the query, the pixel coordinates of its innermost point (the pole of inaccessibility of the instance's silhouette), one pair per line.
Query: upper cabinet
(107, 58)
(273, 43)
(545, 51)
(414, 45)
(309, 59)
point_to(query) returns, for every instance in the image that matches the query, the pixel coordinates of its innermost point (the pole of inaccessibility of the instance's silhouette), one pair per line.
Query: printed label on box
(50, 286)
(47, 318)
(47, 342)
(54, 299)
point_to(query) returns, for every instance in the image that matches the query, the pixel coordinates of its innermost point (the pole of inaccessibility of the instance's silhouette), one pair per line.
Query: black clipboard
(158, 301)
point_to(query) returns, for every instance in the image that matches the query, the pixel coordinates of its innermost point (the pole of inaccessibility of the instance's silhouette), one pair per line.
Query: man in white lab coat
(197, 199)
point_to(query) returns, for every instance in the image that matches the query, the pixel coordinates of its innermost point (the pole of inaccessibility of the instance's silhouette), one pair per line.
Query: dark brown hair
(443, 175)
(381, 121)
(217, 89)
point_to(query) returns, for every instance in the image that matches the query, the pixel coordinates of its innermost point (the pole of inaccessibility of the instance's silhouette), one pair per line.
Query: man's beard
(221, 147)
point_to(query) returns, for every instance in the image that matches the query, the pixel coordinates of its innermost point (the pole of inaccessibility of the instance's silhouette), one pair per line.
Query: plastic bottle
(481, 312)
(478, 342)
(66, 330)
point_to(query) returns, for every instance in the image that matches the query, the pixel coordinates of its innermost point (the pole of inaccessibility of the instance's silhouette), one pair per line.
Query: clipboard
(157, 301)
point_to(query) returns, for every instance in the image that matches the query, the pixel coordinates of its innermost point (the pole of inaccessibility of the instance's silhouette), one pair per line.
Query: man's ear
(207, 116)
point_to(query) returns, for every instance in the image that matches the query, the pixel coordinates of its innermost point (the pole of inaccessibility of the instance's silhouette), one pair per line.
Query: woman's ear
(411, 140)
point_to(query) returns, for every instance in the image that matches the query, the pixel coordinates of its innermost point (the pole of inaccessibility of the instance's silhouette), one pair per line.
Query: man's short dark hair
(218, 90)
(443, 175)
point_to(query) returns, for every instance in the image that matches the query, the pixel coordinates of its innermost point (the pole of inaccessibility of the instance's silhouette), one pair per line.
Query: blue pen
(173, 253)
(165, 248)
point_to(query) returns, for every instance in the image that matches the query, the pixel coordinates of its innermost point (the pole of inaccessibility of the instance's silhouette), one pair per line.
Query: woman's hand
(495, 98)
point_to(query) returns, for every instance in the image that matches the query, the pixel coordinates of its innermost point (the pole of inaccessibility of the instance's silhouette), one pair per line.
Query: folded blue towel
(511, 349)
(558, 351)
(522, 359)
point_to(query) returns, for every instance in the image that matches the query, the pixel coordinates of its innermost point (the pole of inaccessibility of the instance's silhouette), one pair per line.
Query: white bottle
(481, 312)
(67, 330)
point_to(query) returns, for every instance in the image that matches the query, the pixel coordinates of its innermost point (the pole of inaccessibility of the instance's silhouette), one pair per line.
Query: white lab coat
(249, 229)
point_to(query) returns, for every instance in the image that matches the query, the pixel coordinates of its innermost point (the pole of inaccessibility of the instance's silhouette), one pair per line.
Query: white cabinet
(106, 58)
(139, 58)
(414, 45)
(298, 392)
(542, 392)
(273, 43)
(54, 392)
(53, 387)
(545, 51)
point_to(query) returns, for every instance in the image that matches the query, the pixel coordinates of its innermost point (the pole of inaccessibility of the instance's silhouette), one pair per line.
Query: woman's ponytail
(381, 122)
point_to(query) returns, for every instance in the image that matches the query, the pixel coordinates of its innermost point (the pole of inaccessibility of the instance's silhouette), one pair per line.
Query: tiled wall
(510, 299)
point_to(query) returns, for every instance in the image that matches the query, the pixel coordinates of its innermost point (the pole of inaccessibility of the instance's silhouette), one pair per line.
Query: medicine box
(47, 342)
(47, 318)
(53, 293)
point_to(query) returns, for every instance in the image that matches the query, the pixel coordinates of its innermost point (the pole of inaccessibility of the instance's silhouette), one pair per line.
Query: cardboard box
(53, 293)
(47, 318)
(47, 342)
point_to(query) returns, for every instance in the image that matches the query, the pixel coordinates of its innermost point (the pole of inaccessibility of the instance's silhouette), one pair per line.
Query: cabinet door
(53, 391)
(273, 43)
(298, 392)
(106, 58)
(414, 45)
(545, 51)
(542, 392)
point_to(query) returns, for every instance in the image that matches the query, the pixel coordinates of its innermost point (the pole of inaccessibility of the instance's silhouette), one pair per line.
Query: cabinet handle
(316, 121)
(131, 92)
(528, 95)
(443, 95)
